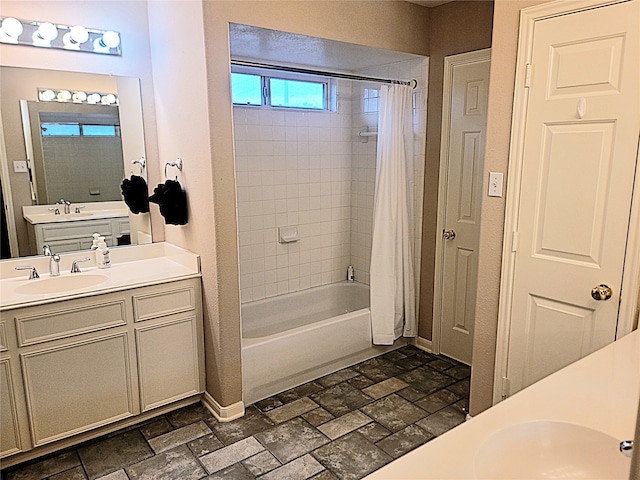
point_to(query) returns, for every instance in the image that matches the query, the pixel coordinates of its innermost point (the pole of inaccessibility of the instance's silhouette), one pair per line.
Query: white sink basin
(60, 284)
(547, 449)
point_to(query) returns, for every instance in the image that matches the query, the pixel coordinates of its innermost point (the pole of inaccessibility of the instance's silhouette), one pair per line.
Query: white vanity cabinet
(91, 362)
(76, 235)
(167, 336)
(14, 433)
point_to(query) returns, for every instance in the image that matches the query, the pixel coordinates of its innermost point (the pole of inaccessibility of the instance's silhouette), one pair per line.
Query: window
(254, 87)
(247, 89)
(100, 130)
(60, 129)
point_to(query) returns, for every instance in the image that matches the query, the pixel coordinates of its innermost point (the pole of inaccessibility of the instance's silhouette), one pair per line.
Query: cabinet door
(78, 386)
(168, 361)
(9, 433)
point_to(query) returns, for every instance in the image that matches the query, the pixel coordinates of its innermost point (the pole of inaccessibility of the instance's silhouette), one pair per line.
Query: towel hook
(177, 163)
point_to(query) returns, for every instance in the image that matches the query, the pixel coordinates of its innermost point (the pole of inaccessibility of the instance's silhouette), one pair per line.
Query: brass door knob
(449, 235)
(601, 292)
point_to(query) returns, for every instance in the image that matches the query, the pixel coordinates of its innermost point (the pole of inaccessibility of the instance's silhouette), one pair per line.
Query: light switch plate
(20, 166)
(495, 184)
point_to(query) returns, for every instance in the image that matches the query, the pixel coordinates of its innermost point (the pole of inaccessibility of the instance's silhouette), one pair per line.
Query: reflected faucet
(54, 262)
(67, 205)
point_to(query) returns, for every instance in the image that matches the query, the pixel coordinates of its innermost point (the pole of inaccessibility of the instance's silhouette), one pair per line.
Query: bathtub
(291, 339)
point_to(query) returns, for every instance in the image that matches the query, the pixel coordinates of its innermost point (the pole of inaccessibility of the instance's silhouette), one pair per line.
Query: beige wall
(456, 27)
(503, 64)
(205, 102)
(128, 18)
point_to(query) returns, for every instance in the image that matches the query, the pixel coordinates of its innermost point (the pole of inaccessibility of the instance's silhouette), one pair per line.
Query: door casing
(631, 272)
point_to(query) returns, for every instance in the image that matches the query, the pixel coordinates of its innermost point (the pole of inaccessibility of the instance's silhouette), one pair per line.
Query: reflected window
(60, 129)
(100, 130)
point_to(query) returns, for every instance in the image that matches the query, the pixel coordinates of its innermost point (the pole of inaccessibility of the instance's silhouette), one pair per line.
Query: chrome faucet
(54, 261)
(74, 265)
(67, 206)
(33, 273)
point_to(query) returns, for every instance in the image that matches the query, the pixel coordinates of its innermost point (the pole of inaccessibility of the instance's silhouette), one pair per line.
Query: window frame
(267, 74)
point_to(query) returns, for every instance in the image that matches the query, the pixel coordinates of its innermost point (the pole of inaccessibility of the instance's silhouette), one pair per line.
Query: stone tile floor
(341, 426)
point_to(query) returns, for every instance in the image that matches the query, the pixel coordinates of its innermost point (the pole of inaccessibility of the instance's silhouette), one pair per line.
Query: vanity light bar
(50, 35)
(76, 96)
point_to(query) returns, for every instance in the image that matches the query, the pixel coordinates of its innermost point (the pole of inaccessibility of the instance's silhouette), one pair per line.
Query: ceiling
(273, 46)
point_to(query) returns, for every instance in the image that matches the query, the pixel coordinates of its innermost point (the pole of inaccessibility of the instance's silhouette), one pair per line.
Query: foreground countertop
(131, 266)
(599, 391)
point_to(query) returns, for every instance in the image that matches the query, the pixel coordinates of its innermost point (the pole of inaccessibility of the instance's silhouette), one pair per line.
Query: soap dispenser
(102, 254)
(96, 237)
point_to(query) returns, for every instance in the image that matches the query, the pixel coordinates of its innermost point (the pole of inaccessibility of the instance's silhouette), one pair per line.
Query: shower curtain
(393, 302)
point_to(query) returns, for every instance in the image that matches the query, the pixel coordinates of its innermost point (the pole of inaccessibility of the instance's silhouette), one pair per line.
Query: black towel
(172, 200)
(136, 194)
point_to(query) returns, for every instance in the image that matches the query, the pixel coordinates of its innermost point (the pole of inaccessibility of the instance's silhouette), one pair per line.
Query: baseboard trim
(222, 414)
(424, 344)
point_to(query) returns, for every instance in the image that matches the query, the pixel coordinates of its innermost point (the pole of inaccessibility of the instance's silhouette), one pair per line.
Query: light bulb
(64, 96)
(79, 97)
(99, 46)
(79, 34)
(47, 95)
(111, 39)
(69, 43)
(48, 31)
(12, 27)
(93, 98)
(109, 99)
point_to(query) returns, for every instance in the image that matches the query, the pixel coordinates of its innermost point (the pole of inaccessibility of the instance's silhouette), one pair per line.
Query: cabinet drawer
(80, 229)
(73, 320)
(165, 302)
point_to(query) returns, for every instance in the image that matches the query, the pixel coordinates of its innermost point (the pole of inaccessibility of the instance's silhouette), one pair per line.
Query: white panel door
(579, 160)
(467, 132)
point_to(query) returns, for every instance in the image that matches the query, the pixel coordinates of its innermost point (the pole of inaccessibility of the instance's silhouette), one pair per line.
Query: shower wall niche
(313, 170)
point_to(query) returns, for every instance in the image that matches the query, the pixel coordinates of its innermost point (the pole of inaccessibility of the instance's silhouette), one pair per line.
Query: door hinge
(506, 387)
(527, 76)
(514, 241)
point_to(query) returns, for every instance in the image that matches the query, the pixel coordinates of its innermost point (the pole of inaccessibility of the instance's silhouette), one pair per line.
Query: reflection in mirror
(72, 154)
(77, 151)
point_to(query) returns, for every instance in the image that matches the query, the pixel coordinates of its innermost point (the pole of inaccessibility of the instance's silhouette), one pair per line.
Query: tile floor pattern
(341, 426)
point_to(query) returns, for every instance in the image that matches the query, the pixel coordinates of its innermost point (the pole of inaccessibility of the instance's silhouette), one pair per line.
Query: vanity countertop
(131, 266)
(39, 214)
(599, 391)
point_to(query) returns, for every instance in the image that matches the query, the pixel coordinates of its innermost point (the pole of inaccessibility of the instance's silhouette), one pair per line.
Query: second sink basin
(61, 284)
(547, 449)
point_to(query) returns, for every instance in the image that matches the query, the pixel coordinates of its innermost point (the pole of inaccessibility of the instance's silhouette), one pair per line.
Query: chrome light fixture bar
(50, 35)
(76, 96)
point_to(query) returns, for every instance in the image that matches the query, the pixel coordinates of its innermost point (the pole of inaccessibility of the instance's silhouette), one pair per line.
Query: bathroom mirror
(83, 172)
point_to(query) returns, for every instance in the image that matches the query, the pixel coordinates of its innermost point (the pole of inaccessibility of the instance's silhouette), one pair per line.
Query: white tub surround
(84, 354)
(131, 266)
(292, 339)
(599, 392)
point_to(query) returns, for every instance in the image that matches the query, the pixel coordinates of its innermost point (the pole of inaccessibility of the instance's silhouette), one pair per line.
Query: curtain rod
(241, 63)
